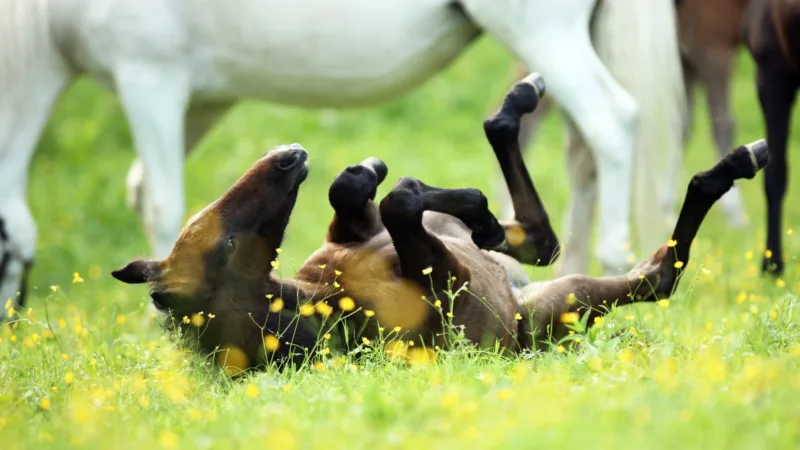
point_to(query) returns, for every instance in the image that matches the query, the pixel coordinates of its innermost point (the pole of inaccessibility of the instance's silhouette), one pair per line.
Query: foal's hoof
(759, 153)
(536, 80)
(377, 166)
(490, 237)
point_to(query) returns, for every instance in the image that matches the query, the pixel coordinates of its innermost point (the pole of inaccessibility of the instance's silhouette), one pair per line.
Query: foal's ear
(138, 271)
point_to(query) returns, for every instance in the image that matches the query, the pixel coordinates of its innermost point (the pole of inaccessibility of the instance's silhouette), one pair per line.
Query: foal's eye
(230, 245)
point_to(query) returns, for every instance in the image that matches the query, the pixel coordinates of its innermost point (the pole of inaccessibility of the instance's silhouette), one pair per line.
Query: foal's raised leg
(552, 37)
(652, 279)
(352, 196)
(530, 236)
(418, 250)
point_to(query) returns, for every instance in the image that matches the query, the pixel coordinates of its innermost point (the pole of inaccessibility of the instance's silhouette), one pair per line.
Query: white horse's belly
(314, 53)
(321, 53)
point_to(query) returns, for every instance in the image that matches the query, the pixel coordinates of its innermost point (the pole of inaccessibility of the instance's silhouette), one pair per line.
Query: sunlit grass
(718, 366)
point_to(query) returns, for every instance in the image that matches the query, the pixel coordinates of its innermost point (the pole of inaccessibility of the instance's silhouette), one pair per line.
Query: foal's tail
(32, 72)
(637, 41)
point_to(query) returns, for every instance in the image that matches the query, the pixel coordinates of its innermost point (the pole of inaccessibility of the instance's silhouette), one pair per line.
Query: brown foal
(391, 263)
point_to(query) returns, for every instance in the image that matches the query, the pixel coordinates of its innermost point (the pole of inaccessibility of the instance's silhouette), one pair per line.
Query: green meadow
(87, 366)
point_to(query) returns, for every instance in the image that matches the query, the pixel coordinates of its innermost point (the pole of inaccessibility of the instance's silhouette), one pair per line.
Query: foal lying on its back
(388, 264)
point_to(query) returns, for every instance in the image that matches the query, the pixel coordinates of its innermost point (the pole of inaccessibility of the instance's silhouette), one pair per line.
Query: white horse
(634, 41)
(177, 65)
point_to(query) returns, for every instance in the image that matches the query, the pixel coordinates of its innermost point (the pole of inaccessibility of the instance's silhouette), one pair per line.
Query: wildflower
(68, 377)
(287, 388)
(789, 231)
(276, 306)
(327, 336)
(8, 304)
(625, 355)
(369, 312)
(599, 321)
(748, 256)
(54, 288)
(269, 296)
(10, 312)
(773, 314)
(741, 297)
(504, 394)
(336, 284)
(449, 314)
(271, 343)
(427, 271)
(306, 310)
(44, 403)
(144, 401)
(678, 264)
(252, 390)
(518, 316)
(632, 331)
(561, 349)
(437, 303)
(167, 439)
(346, 304)
(13, 338)
(705, 271)
(322, 266)
(337, 272)
(211, 316)
(628, 317)
(278, 250)
(365, 340)
(198, 320)
(754, 309)
(672, 243)
(324, 309)
(76, 278)
(275, 264)
(54, 389)
(64, 356)
(667, 331)
(569, 317)
(571, 298)
(120, 319)
(768, 253)
(780, 283)
(664, 303)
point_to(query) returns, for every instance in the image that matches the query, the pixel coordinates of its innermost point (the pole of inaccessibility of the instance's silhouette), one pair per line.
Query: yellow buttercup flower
(271, 343)
(346, 304)
(427, 271)
(276, 306)
(569, 317)
(678, 264)
(76, 278)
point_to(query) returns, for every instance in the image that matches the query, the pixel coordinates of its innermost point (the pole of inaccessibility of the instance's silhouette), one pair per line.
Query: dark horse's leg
(776, 92)
(530, 236)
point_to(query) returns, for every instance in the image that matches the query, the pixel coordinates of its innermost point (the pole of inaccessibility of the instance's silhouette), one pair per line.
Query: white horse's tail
(637, 40)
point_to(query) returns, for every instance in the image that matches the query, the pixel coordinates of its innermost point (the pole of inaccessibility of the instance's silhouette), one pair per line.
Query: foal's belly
(321, 53)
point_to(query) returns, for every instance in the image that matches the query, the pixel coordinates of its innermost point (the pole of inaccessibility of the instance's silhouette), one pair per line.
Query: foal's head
(225, 251)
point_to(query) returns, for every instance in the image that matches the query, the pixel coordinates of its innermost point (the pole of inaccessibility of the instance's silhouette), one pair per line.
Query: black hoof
(772, 266)
(760, 153)
(377, 166)
(490, 237)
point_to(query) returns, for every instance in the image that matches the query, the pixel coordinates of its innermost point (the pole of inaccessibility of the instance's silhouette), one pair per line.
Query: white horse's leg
(32, 76)
(154, 97)
(637, 41)
(552, 37)
(579, 217)
(199, 120)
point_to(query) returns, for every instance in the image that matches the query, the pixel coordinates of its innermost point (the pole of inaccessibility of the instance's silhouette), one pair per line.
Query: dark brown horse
(386, 267)
(773, 38)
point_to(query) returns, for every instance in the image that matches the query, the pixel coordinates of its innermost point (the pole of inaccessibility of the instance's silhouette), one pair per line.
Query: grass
(716, 368)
